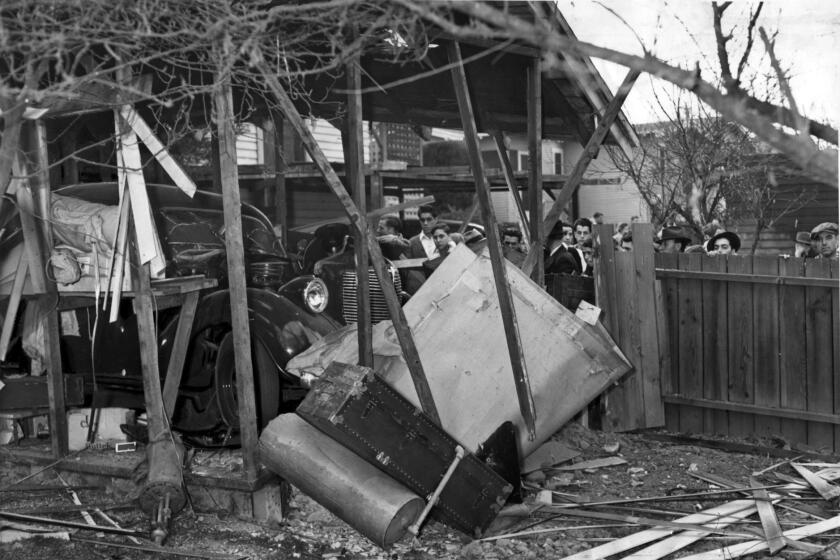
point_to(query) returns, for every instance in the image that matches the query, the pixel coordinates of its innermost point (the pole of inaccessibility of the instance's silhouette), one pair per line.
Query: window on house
(524, 161)
(250, 149)
(558, 163)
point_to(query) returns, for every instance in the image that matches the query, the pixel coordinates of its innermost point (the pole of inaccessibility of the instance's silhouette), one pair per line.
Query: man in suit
(559, 258)
(420, 246)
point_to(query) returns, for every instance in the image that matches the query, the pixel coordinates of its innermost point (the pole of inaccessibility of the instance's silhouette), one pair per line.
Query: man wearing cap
(825, 236)
(723, 243)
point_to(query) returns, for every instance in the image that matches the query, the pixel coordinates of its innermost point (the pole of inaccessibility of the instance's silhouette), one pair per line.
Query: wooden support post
(229, 175)
(37, 252)
(507, 171)
(144, 310)
(517, 360)
(180, 344)
(354, 158)
(377, 190)
(282, 155)
(14, 304)
(412, 358)
(535, 177)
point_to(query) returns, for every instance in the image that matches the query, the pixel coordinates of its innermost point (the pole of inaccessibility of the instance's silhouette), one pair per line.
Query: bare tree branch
(821, 164)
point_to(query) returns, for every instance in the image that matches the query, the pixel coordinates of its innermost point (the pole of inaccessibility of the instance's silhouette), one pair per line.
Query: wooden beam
(412, 358)
(535, 178)
(354, 158)
(14, 304)
(568, 190)
(507, 171)
(178, 355)
(517, 359)
(228, 174)
(145, 232)
(156, 147)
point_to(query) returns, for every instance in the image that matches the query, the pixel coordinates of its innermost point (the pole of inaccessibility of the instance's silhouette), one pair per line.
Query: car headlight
(316, 295)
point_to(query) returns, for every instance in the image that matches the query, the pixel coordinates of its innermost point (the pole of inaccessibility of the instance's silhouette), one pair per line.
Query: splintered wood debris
(788, 509)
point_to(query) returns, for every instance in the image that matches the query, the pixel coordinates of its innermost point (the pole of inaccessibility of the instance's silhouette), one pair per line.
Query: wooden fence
(753, 347)
(736, 346)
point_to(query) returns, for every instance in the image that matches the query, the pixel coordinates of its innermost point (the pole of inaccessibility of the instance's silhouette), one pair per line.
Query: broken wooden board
(767, 515)
(826, 490)
(456, 323)
(547, 455)
(719, 516)
(594, 464)
(752, 547)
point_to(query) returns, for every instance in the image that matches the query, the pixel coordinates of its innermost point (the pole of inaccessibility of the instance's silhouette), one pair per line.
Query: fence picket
(715, 346)
(835, 324)
(818, 330)
(766, 345)
(741, 355)
(670, 345)
(792, 349)
(648, 367)
(691, 344)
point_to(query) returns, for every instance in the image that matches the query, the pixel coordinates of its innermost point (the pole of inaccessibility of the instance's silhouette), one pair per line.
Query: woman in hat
(723, 243)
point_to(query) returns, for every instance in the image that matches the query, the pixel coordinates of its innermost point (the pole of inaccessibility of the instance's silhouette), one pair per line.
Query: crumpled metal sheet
(457, 327)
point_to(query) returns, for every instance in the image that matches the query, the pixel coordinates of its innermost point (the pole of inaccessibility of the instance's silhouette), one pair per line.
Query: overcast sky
(681, 32)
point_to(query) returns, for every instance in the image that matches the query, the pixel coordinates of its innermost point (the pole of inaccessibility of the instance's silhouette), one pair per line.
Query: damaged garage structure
(157, 302)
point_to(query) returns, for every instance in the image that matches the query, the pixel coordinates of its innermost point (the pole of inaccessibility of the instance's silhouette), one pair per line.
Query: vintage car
(287, 312)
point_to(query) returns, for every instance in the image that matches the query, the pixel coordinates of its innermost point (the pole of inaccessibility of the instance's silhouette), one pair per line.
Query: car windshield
(197, 229)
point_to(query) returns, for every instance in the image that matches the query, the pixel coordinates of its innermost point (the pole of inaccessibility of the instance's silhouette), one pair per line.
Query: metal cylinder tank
(355, 491)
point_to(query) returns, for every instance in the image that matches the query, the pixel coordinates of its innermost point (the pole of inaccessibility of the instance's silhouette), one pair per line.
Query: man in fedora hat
(803, 246)
(672, 240)
(825, 236)
(723, 243)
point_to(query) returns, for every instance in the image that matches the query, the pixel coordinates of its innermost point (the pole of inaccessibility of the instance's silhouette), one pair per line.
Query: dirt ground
(653, 469)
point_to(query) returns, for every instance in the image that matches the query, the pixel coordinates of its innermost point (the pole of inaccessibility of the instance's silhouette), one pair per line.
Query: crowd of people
(568, 246)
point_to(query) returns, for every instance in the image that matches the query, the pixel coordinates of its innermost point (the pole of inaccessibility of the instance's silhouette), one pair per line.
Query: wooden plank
(767, 515)
(623, 401)
(671, 309)
(33, 241)
(147, 136)
(753, 547)
(35, 136)
(792, 352)
(718, 516)
(606, 120)
(766, 345)
(141, 210)
(733, 277)
(354, 158)
(648, 366)
(180, 345)
(228, 172)
(691, 367)
(535, 176)
(12, 307)
(741, 354)
(835, 334)
(517, 359)
(115, 276)
(820, 353)
(781, 413)
(510, 180)
(404, 335)
(715, 345)
(605, 279)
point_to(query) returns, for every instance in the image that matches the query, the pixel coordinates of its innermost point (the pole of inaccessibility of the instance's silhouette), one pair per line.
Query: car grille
(378, 306)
